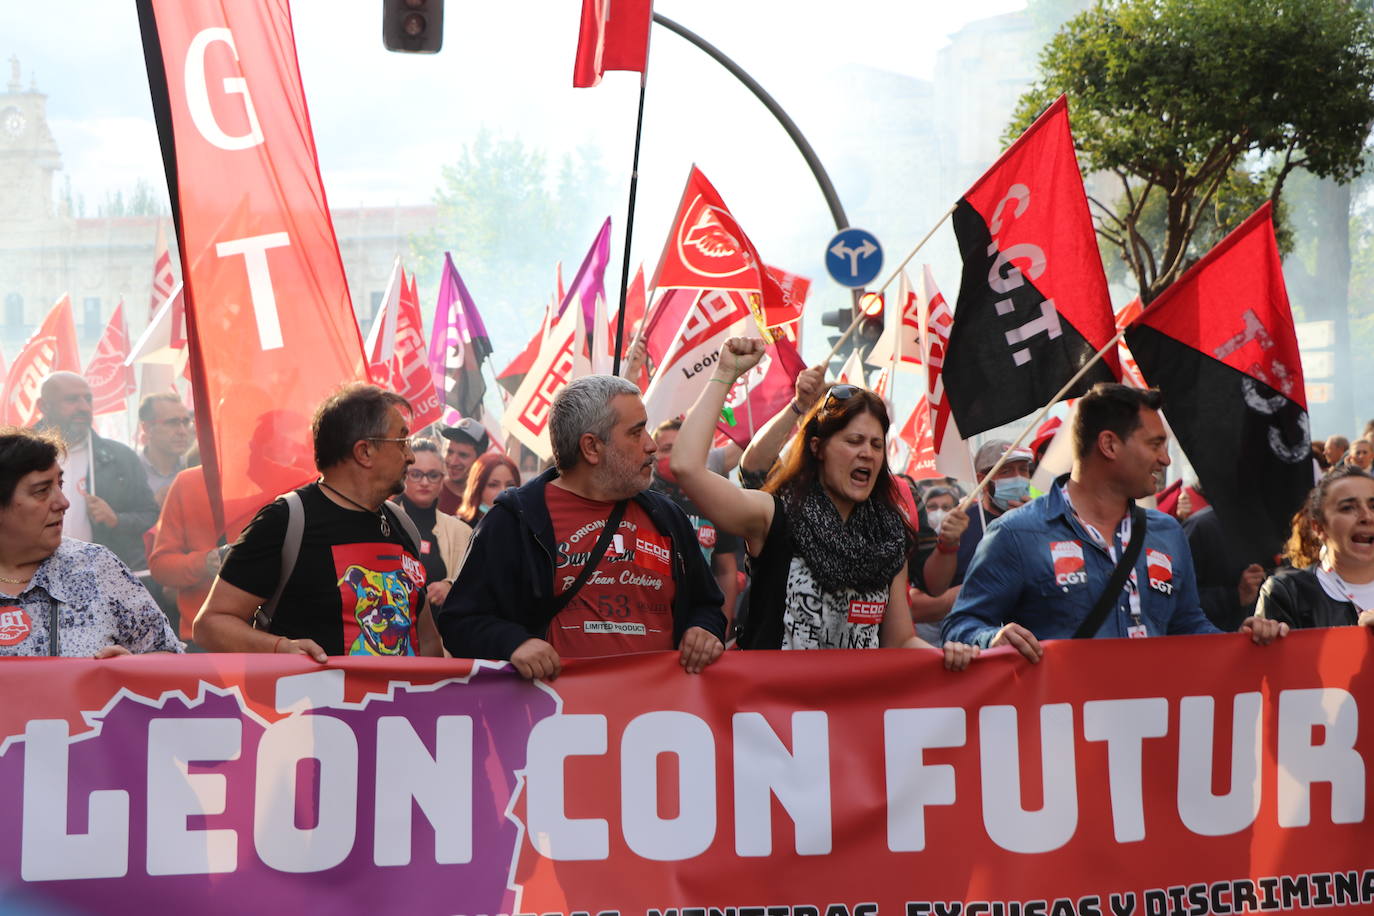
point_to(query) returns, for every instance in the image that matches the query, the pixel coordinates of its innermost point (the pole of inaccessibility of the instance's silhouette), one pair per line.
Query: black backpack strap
(593, 560)
(1124, 564)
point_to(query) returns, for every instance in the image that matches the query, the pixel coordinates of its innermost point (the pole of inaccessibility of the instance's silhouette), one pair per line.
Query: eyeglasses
(402, 441)
(839, 393)
(431, 476)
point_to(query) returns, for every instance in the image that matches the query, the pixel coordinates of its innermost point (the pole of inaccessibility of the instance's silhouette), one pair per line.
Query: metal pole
(832, 199)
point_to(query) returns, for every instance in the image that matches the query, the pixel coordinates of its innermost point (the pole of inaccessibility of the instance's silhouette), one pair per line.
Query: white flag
(560, 360)
(852, 372)
(936, 320)
(381, 340)
(716, 316)
(900, 343)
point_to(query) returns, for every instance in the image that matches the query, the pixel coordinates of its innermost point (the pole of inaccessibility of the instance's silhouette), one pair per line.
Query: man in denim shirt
(1040, 569)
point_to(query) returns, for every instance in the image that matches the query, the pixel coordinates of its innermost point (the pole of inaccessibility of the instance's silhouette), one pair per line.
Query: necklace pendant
(386, 527)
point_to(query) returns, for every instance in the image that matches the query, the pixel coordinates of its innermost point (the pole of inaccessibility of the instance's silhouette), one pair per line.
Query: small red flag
(614, 36)
(111, 381)
(52, 348)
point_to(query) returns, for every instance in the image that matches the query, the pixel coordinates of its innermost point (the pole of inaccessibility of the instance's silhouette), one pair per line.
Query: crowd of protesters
(636, 539)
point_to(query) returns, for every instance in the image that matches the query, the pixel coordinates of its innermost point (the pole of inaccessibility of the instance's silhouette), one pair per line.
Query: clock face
(12, 122)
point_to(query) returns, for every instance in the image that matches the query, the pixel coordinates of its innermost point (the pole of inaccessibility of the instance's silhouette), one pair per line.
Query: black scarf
(861, 553)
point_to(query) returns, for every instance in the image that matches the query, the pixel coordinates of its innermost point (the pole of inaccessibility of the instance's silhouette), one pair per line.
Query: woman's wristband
(941, 548)
(727, 384)
(796, 408)
(277, 645)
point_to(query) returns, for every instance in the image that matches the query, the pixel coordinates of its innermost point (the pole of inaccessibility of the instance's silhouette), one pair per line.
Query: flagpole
(1035, 423)
(630, 221)
(858, 319)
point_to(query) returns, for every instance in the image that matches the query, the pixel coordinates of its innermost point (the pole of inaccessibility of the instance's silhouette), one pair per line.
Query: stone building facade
(46, 251)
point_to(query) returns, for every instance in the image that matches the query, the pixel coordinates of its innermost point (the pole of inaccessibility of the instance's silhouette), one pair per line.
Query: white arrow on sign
(841, 250)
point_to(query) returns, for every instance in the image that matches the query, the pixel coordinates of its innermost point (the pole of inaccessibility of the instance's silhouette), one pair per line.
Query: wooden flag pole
(1035, 423)
(858, 319)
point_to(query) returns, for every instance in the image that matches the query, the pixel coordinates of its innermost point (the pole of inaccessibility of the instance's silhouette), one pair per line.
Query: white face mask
(935, 517)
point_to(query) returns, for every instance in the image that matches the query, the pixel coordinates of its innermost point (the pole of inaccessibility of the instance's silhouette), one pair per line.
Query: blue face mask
(1009, 490)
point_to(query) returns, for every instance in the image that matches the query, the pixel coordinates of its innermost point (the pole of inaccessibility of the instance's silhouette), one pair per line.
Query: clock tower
(28, 156)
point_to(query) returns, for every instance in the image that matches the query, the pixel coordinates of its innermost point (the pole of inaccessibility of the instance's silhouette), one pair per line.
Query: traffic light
(414, 26)
(840, 320)
(871, 328)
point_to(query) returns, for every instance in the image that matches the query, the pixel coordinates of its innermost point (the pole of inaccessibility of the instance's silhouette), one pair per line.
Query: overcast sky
(386, 123)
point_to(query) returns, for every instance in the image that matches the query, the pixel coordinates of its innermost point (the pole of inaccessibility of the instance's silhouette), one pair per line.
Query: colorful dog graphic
(382, 611)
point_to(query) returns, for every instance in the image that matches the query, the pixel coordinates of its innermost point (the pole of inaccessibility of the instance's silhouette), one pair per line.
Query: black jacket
(121, 481)
(504, 594)
(1296, 597)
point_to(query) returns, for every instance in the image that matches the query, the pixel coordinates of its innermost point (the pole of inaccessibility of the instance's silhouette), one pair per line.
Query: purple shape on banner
(458, 345)
(590, 281)
(502, 713)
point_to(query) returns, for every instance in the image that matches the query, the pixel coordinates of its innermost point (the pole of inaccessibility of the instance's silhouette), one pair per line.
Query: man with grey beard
(104, 480)
(585, 560)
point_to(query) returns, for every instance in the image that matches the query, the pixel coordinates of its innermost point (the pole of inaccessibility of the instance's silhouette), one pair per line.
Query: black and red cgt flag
(1220, 344)
(1033, 306)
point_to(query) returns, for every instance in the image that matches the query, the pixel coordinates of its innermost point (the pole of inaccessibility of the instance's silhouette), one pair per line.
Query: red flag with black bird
(1221, 346)
(1033, 306)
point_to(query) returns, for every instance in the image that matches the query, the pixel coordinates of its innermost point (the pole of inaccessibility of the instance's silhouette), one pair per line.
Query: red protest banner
(269, 321)
(845, 783)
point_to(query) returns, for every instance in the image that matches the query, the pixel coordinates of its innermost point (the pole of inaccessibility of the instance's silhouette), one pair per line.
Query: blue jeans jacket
(1038, 567)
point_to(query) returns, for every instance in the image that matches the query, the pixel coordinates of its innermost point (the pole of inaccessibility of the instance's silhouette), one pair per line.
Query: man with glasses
(357, 583)
(168, 432)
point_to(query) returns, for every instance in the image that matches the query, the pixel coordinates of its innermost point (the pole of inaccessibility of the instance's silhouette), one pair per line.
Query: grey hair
(584, 406)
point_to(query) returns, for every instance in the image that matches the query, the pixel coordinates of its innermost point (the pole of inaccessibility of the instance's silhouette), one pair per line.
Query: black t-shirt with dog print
(354, 590)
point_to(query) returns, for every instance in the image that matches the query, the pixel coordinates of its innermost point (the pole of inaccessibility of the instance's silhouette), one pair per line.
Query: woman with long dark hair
(1331, 582)
(827, 537)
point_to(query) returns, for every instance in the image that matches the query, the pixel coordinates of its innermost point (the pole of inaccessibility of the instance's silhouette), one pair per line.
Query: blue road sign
(853, 257)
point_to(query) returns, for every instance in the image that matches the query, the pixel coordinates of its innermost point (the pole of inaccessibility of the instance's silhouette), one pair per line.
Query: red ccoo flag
(51, 348)
(1033, 306)
(614, 36)
(111, 381)
(1221, 346)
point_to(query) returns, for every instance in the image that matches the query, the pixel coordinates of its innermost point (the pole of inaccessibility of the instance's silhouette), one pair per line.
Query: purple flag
(590, 281)
(458, 345)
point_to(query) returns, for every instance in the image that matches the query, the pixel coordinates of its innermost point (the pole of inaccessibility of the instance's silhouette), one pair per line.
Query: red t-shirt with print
(626, 606)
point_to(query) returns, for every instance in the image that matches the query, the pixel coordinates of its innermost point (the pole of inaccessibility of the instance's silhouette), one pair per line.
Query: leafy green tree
(1201, 109)
(507, 221)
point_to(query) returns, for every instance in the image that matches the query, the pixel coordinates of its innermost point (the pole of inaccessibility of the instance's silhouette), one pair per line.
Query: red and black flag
(1220, 344)
(1033, 306)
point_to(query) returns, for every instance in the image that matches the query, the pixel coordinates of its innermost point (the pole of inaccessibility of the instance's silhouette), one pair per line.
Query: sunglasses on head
(839, 393)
